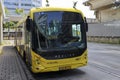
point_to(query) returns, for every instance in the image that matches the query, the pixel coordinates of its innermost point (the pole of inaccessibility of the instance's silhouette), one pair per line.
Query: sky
(69, 4)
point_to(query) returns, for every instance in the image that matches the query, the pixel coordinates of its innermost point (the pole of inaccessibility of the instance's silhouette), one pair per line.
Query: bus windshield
(58, 29)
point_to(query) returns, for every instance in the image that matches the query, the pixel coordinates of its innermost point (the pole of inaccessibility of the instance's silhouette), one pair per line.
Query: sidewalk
(11, 65)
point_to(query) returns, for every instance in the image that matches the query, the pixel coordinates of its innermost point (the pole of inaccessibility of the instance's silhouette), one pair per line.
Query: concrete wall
(104, 32)
(105, 10)
(96, 4)
(112, 40)
(108, 15)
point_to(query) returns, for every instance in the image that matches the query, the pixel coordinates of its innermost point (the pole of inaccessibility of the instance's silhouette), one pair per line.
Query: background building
(17, 7)
(105, 10)
(15, 10)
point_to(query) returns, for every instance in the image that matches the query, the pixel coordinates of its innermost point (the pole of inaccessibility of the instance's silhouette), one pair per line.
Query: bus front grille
(61, 54)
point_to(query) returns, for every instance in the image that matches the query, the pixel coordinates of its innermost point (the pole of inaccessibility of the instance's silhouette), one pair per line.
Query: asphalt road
(103, 64)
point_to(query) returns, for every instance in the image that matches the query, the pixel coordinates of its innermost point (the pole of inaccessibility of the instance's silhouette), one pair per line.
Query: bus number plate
(64, 68)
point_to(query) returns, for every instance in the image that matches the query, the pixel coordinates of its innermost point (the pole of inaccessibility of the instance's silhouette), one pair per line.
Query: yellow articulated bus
(53, 39)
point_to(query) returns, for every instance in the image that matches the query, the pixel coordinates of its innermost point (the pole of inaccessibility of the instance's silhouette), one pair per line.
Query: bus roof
(40, 9)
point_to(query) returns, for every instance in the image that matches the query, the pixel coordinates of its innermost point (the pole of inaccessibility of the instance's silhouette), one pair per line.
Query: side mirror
(86, 24)
(86, 27)
(29, 24)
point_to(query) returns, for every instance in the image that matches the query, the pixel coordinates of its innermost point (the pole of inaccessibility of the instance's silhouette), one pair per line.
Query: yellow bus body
(40, 64)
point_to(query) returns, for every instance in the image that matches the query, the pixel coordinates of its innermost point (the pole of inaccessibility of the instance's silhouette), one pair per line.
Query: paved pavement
(12, 67)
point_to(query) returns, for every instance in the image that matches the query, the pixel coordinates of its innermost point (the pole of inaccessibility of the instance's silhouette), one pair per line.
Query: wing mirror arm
(86, 24)
(29, 23)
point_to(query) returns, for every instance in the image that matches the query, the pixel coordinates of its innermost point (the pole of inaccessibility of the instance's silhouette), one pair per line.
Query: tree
(6, 10)
(10, 24)
(19, 11)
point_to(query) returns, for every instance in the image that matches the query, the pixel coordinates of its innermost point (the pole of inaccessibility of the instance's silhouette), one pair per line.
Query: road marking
(104, 68)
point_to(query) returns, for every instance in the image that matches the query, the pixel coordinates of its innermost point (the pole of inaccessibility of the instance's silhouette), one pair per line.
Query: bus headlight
(37, 60)
(37, 63)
